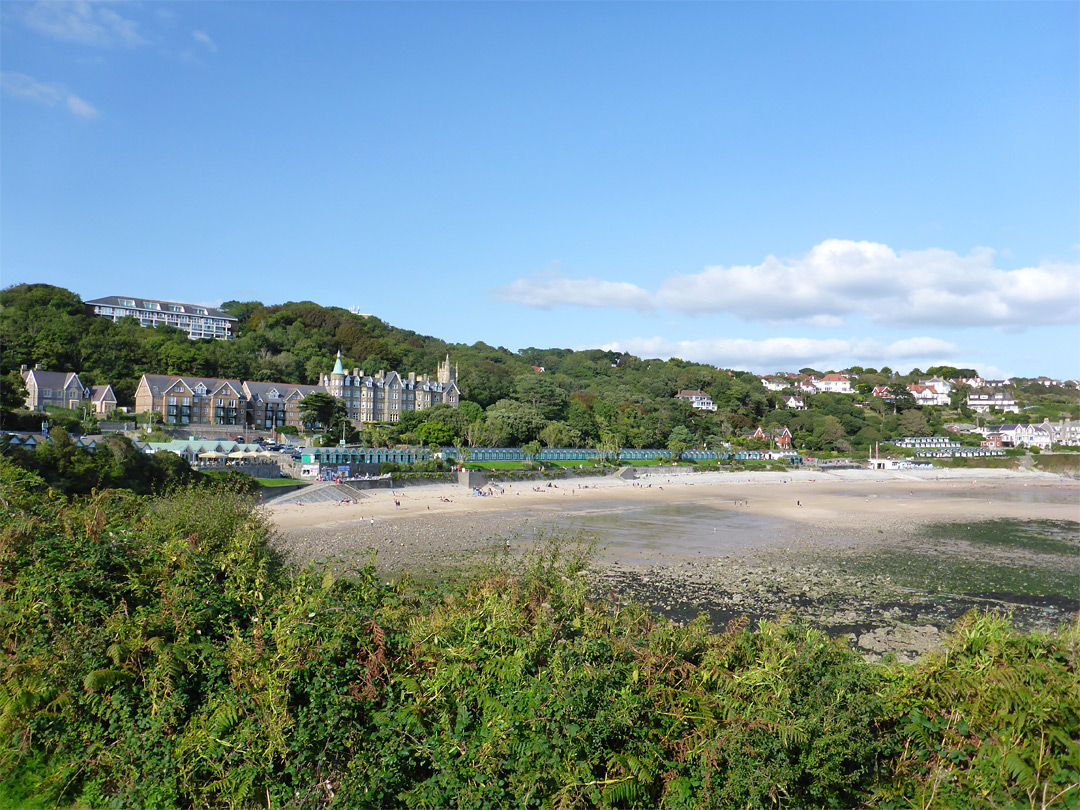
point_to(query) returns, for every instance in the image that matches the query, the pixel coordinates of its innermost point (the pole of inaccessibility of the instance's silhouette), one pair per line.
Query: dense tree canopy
(554, 396)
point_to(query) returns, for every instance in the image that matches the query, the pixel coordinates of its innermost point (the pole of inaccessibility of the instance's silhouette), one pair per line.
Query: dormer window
(200, 389)
(127, 302)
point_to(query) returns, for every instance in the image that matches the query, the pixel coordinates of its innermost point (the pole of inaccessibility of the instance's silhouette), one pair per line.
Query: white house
(774, 383)
(699, 400)
(834, 384)
(928, 395)
(795, 404)
(938, 384)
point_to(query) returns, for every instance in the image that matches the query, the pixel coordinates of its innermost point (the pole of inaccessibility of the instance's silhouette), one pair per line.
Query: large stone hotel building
(384, 397)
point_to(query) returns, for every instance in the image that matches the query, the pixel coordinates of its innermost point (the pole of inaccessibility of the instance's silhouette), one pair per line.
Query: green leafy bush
(159, 653)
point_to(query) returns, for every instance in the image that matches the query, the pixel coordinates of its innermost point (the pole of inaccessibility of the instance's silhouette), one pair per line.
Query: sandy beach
(422, 522)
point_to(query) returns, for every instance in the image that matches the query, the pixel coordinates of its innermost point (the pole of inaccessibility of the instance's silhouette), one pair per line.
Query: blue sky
(761, 186)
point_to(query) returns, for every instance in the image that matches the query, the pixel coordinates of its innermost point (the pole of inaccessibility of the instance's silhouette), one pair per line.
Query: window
(126, 302)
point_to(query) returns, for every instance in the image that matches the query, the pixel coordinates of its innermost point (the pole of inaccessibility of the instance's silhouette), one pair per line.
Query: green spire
(338, 369)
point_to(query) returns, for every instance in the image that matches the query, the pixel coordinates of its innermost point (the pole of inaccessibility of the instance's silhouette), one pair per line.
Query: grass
(1057, 462)
(271, 483)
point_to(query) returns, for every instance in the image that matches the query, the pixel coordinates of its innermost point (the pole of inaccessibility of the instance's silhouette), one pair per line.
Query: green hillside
(584, 398)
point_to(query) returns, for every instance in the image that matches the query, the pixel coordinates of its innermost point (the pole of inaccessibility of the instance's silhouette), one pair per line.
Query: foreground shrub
(158, 654)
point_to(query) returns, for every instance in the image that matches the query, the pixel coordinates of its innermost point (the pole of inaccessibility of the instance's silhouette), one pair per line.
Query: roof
(180, 446)
(98, 392)
(52, 379)
(164, 382)
(140, 303)
(260, 391)
(692, 394)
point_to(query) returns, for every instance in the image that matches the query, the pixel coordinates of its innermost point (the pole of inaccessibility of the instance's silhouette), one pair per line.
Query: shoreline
(849, 499)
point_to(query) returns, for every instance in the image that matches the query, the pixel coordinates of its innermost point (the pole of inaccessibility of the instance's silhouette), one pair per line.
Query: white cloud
(204, 39)
(771, 354)
(839, 279)
(83, 22)
(81, 108)
(551, 289)
(26, 87)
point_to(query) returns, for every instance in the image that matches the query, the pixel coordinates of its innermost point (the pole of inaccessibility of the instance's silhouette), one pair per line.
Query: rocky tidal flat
(888, 567)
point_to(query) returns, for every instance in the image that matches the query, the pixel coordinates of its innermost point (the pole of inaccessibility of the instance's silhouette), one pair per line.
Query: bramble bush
(159, 653)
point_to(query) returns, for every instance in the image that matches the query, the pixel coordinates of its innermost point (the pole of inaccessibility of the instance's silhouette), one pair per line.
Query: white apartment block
(197, 320)
(984, 403)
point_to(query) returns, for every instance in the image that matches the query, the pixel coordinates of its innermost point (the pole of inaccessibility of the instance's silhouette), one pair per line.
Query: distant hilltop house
(983, 403)
(972, 382)
(64, 389)
(834, 384)
(699, 400)
(884, 392)
(775, 383)
(795, 404)
(938, 384)
(197, 320)
(928, 395)
(383, 397)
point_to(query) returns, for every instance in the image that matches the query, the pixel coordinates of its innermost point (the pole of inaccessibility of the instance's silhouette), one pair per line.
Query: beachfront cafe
(220, 455)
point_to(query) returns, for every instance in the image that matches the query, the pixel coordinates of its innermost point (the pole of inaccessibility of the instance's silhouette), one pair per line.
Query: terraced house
(208, 401)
